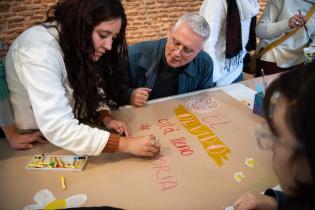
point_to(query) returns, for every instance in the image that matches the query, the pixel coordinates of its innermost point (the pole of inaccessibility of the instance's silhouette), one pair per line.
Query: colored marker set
(57, 162)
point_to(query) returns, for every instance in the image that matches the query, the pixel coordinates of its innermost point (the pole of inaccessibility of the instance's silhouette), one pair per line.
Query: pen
(306, 30)
(264, 83)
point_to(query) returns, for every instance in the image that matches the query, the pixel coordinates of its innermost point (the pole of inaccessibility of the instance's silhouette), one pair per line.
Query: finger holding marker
(156, 142)
(154, 149)
(141, 146)
(155, 145)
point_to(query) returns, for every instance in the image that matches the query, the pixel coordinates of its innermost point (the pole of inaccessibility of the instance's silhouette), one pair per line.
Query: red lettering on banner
(168, 185)
(162, 173)
(181, 144)
(164, 123)
(166, 126)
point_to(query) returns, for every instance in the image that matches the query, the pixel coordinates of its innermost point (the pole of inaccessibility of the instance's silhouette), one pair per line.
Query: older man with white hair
(171, 66)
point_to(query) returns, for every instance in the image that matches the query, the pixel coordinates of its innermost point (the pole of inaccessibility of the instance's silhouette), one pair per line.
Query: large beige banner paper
(209, 157)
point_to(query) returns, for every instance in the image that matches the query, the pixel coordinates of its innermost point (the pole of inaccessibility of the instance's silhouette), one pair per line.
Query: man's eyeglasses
(186, 52)
(266, 139)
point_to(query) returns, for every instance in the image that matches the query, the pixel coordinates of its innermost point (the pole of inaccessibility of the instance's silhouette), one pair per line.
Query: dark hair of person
(76, 20)
(298, 88)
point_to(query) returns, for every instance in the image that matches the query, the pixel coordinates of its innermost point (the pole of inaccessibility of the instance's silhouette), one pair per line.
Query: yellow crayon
(63, 183)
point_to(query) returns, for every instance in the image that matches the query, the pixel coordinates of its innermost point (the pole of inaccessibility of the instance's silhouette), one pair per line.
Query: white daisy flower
(44, 199)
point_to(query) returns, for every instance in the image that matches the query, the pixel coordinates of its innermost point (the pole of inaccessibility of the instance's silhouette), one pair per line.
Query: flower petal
(33, 207)
(43, 197)
(76, 200)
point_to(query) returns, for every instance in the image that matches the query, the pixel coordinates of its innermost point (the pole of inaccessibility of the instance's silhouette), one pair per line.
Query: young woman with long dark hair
(65, 74)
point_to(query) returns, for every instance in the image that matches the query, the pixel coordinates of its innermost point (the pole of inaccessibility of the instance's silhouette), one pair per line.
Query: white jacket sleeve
(40, 70)
(268, 26)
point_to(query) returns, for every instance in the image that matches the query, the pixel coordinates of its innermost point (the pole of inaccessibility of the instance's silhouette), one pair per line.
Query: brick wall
(147, 19)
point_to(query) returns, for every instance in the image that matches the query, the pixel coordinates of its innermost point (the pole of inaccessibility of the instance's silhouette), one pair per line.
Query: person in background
(232, 24)
(7, 124)
(65, 74)
(279, 18)
(289, 107)
(171, 66)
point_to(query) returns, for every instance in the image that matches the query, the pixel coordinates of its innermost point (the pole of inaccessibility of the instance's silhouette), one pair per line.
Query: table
(176, 179)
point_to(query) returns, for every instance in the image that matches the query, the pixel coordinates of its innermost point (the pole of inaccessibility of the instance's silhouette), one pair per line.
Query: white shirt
(214, 11)
(274, 23)
(41, 96)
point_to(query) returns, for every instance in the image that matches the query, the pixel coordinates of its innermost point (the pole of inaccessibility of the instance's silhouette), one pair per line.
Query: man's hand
(140, 96)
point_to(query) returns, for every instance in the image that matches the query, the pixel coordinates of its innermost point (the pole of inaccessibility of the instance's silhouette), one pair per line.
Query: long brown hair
(76, 20)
